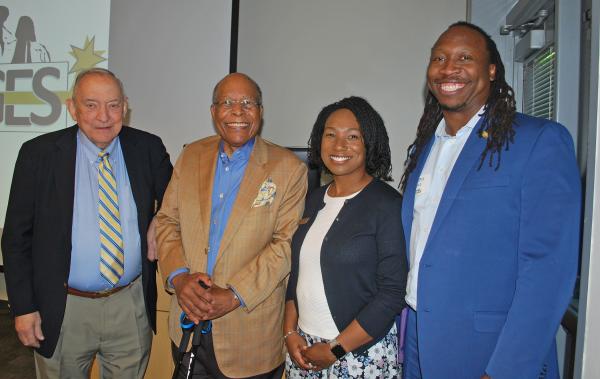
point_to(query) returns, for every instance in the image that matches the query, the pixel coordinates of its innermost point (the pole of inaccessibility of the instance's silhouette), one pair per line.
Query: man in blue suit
(492, 212)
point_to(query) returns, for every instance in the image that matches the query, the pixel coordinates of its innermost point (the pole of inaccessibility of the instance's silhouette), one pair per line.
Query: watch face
(338, 351)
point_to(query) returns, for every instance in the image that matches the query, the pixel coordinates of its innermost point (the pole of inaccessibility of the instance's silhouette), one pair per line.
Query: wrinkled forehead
(90, 80)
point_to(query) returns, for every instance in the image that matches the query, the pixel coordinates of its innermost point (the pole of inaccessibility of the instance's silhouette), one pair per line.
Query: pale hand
(29, 329)
(152, 253)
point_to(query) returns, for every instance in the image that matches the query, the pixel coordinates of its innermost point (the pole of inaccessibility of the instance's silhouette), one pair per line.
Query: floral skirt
(379, 361)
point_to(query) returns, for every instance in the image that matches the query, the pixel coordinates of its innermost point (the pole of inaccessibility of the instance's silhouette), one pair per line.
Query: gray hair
(97, 71)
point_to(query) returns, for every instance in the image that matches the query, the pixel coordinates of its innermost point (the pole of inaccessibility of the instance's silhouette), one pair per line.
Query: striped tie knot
(112, 255)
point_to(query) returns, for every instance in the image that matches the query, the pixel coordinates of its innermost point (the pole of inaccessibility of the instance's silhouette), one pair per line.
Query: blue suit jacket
(499, 266)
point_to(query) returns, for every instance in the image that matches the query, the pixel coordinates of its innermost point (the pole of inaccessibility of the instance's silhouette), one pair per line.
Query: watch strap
(337, 349)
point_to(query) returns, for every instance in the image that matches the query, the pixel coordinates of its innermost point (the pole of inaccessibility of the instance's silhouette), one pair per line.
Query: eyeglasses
(246, 104)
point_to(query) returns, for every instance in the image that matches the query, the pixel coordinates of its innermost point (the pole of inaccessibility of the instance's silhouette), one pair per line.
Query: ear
(125, 106)
(492, 72)
(72, 108)
(213, 111)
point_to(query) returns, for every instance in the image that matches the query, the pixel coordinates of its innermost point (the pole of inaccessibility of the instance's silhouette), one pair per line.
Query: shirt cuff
(236, 293)
(174, 274)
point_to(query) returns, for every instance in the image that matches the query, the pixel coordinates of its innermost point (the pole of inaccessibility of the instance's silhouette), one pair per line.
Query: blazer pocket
(487, 182)
(489, 322)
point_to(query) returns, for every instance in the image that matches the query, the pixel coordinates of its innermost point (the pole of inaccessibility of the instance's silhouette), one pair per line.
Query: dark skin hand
(200, 303)
(295, 343)
(192, 298)
(320, 355)
(222, 301)
(485, 376)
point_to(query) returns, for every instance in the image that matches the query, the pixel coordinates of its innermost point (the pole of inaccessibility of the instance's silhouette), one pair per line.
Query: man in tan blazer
(227, 218)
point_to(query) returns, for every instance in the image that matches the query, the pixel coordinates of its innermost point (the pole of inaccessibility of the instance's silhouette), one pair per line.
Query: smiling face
(98, 107)
(236, 124)
(342, 146)
(459, 74)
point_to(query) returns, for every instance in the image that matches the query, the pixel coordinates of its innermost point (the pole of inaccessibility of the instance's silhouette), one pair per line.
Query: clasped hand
(200, 303)
(318, 356)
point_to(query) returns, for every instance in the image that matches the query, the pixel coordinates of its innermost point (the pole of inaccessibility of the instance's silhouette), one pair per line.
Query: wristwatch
(337, 349)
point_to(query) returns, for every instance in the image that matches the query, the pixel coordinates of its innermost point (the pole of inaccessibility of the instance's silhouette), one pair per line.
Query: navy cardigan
(363, 259)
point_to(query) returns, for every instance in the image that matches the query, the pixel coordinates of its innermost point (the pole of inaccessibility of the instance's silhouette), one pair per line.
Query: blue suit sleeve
(548, 246)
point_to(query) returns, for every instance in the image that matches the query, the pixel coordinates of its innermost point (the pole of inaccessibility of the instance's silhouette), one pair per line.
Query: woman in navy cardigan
(349, 264)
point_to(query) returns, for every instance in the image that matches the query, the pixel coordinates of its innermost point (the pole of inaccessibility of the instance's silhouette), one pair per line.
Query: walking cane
(189, 328)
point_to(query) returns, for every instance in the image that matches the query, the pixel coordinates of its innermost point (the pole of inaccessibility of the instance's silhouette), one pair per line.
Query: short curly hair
(378, 157)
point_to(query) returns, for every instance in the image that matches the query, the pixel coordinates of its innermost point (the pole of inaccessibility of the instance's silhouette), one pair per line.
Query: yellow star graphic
(87, 57)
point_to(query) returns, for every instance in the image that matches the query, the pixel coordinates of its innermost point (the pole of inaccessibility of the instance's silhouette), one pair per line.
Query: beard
(453, 108)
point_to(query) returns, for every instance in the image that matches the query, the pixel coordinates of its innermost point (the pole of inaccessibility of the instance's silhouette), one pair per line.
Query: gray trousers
(113, 329)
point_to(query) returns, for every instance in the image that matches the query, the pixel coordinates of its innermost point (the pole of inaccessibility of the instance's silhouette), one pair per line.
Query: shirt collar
(441, 128)
(242, 154)
(90, 150)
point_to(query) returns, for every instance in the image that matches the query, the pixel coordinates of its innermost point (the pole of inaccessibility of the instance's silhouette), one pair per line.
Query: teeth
(237, 124)
(451, 87)
(338, 158)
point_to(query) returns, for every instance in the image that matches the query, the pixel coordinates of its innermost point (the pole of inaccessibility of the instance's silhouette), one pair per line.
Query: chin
(452, 107)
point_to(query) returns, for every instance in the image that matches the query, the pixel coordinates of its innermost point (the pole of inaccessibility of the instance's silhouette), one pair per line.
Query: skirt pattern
(378, 362)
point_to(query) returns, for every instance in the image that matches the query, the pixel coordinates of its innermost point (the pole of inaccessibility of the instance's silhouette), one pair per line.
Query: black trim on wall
(233, 48)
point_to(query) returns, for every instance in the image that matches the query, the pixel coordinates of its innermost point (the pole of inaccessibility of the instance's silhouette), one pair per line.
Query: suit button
(325, 239)
(427, 265)
(427, 310)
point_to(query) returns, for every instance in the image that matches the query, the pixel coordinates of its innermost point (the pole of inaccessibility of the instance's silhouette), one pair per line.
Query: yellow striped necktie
(112, 258)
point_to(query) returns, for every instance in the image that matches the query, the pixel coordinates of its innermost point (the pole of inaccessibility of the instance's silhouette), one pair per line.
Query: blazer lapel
(64, 175)
(132, 158)
(409, 194)
(254, 176)
(204, 177)
(469, 157)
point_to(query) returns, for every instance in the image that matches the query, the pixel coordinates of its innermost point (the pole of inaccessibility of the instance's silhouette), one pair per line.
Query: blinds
(539, 84)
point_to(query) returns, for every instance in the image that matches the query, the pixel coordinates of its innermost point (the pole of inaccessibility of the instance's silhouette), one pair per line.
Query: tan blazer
(254, 256)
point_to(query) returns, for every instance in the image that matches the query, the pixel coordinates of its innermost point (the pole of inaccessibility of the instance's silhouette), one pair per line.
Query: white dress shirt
(430, 187)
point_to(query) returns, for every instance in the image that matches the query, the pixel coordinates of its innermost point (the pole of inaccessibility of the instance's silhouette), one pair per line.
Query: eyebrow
(343, 129)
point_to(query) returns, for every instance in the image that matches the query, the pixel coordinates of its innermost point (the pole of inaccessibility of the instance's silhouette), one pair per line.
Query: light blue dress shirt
(228, 177)
(84, 273)
(430, 188)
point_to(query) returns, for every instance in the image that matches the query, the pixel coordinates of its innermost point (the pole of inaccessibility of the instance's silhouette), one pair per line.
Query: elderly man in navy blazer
(75, 251)
(491, 213)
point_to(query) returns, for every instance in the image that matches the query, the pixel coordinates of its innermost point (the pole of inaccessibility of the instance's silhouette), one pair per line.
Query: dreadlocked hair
(377, 148)
(498, 115)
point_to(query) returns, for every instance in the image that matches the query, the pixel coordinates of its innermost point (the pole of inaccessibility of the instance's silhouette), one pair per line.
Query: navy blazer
(363, 259)
(498, 268)
(36, 242)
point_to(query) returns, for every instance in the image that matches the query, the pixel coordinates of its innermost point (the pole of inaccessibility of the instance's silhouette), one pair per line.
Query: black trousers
(206, 366)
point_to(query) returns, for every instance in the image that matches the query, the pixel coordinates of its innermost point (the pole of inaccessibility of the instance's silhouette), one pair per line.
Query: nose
(341, 143)
(449, 67)
(103, 114)
(237, 109)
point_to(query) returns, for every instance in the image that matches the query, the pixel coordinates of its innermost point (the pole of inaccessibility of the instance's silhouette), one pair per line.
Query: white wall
(169, 55)
(307, 54)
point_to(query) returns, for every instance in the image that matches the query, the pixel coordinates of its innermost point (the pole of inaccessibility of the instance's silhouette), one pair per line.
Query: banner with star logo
(43, 46)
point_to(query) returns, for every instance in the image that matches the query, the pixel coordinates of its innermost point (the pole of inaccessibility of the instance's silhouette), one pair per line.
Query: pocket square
(266, 194)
